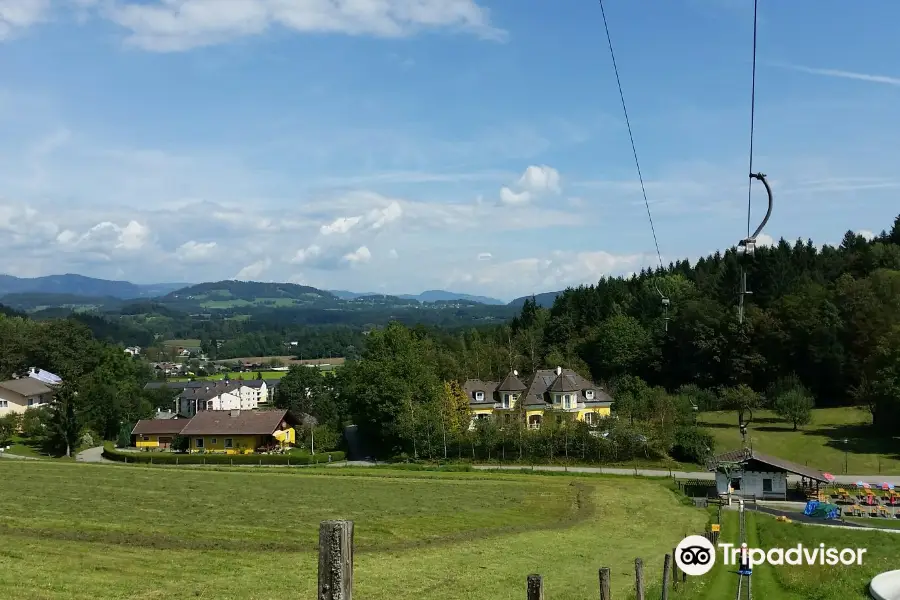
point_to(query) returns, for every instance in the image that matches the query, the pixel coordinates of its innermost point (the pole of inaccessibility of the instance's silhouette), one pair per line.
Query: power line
(631, 135)
(752, 111)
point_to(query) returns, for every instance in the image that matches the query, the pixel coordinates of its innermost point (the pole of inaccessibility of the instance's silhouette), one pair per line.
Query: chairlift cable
(752, 109)
(630, 134)
(637, 164)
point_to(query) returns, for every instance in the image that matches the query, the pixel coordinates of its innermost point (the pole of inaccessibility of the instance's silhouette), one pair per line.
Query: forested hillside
(830, 316)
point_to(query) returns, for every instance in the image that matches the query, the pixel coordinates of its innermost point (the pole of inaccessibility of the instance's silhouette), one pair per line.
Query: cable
(630, 135)
(752, 112)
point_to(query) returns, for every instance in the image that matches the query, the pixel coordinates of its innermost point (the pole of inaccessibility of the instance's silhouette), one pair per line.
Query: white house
(133, 350)
(18, 395)
(44, 376)
(221, 395)
(748, 473)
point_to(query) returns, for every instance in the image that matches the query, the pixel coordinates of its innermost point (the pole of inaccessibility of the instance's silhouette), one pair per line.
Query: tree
(455, 416)
(742, 399)
(298, 389)
(259, 375)
(794, 405)
(9, 426)
(180, 443)
(65, 424)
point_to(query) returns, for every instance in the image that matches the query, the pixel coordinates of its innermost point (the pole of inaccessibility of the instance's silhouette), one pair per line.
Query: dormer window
(506, 400)
(589, 394)
(479, 396)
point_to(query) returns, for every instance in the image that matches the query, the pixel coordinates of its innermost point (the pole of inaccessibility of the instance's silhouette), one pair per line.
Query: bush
(123, 440)
(180, 443)
(165, 458)
(692, 444)
(9, 426)
(87, 440)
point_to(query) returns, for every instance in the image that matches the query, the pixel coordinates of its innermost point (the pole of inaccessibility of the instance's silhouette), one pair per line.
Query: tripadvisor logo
(696, 555)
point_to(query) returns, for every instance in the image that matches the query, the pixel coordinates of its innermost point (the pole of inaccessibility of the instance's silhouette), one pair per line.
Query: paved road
(16, 456)
(92, 455)
(702, 475)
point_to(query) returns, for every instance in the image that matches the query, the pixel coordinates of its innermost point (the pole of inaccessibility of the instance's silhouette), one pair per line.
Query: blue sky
(402, 145)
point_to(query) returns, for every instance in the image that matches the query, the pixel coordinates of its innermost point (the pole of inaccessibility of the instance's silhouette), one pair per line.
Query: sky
(394, 146)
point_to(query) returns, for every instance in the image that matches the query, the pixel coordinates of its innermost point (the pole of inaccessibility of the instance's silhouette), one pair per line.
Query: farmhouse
(18, 395)
(229, 432)
(560, 389)
(748, 473)
(194, 396)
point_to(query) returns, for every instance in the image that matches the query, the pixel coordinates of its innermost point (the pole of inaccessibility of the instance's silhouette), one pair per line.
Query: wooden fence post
(667, 564)
(534, 587)
(335, 560)
(638, 579)
(674, 571)
(604, 583)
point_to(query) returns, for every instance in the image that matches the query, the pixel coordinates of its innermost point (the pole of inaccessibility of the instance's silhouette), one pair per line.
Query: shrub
(87, 440)
(180, 443)
(692, 444)
(123, 440)
(9, 425)
(164, 458)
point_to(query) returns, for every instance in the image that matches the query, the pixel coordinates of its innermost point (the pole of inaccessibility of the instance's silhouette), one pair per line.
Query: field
(287, 360)
(819, 444)
(235, 375)
(186, 343)
(130, 532)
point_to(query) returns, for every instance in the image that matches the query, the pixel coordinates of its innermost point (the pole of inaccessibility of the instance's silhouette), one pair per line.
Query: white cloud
(105, 238)
(511, 198)
(555, 272)
(535, 182)
(19, 14)
(540, 179)
(868, 235)
(192, 251)
(379, 217)
(869, 77)
(176, 25)
(306, 255)
(392, 253)
(254, 270)
(485, 256)
(340, 225)
(359, 256)
(764, 239)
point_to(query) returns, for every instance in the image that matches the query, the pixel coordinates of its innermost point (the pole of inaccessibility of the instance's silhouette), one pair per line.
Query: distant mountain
(79, 285)
(35, 301)
(427, 296)
(230, 294)
(544, 300)
(345, 295)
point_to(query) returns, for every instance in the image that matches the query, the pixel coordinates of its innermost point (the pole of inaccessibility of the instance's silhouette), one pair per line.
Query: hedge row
(170, 458)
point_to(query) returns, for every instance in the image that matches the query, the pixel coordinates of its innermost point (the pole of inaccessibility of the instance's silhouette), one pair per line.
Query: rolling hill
(79, 285)
(544, 300)
(426, 296)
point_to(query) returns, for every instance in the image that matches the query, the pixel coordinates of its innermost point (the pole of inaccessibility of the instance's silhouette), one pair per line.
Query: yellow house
(560, 389)
(241, 431)
(221, 431)
(156, 434)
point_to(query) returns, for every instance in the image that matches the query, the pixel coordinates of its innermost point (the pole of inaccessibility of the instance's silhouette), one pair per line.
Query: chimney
(558, 371)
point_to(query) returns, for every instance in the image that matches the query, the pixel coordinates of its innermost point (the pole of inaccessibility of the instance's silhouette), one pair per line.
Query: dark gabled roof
(254, 383)
(476, 385)
(26, 386)
(238, 422)
(511, 383)
(564, 383)
(747, 455)
(210, 390)
(159, 426)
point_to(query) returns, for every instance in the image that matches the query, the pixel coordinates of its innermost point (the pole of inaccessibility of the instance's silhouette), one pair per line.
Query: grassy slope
(818, 444)
(128, 532)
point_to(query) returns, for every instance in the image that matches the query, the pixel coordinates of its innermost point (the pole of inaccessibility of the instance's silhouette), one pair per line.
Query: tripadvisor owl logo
(695, 555)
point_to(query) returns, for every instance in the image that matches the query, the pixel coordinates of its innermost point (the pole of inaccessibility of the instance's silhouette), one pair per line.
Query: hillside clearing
(819, 444)
(126, 532)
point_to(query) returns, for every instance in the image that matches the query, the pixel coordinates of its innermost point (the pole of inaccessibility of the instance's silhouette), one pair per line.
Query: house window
(146, 438)
(589, 394)
(767, 485)
(505, 400)
(557, 399)
(198, 442)
(736, 484)
(229, 443)
(213, 441)
(566, 399)
(479, 396)
(4, 403)
(589, 418)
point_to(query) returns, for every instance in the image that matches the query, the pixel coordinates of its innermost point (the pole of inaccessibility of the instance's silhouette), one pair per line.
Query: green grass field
(235, 375)
(819, 444)
(185, 343)
(117, 532)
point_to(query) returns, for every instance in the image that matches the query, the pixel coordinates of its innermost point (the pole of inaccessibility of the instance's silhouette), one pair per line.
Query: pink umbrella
(867, 486)
(885, 486)
(828, 477)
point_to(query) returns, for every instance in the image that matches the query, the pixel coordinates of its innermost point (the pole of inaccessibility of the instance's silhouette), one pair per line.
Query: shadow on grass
(861, 439)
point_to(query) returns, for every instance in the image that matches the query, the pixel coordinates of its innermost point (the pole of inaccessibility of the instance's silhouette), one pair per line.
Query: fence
(336, 568)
